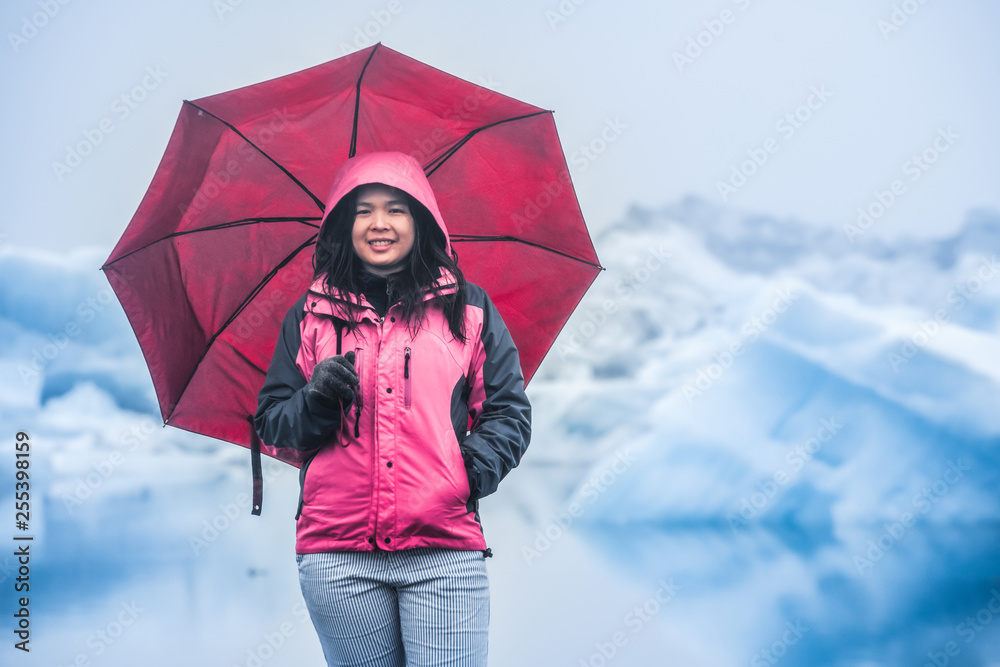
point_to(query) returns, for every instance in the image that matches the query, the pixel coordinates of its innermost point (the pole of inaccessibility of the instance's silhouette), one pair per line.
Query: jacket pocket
(302, 482)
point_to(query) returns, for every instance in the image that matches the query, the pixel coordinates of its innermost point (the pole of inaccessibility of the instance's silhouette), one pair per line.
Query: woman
(403, 383)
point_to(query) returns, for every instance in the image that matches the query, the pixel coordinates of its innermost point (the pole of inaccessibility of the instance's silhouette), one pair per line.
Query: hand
(333, 380)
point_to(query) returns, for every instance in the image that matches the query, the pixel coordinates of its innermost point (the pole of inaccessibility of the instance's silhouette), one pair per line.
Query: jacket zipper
(406, 374)
(358, 395)
(375, 439)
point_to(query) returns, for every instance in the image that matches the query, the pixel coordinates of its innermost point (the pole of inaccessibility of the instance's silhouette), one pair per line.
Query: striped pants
(414, 607)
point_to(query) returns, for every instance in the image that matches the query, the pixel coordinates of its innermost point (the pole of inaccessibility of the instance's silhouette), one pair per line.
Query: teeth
(380, 242)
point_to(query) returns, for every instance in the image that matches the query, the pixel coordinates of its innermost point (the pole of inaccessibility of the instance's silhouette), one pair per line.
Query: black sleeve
(502, 430)
(287, 414)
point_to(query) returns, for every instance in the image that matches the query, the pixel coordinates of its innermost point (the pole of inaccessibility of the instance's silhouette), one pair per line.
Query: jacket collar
(322, 300)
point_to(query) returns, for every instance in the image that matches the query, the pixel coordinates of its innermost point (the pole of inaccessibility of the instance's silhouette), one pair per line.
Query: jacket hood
(397, 170)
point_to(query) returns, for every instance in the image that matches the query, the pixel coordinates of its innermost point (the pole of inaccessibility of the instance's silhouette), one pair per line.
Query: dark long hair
(336, 260)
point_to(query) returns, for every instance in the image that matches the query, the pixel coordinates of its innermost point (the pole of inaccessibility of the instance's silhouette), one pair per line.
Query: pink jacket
(435, 425)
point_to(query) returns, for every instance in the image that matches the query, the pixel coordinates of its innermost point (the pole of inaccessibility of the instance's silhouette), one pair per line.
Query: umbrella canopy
(222, 243)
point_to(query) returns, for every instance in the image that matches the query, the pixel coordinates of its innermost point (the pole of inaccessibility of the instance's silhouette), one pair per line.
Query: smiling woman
(402, 387)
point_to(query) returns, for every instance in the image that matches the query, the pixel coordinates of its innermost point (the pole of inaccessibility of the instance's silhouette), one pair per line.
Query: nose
(380, 219)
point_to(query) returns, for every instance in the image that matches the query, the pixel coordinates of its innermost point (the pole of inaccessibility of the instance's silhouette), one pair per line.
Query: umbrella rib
(357, 104)
(212, 228)
(514, 239)
(239, 309)
(438, 161)
(258, 149)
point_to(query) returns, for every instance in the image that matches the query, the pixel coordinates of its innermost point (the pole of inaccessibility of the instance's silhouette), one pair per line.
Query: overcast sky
(873, 83)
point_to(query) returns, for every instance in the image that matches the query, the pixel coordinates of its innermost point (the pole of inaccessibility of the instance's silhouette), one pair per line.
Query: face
(383, 229)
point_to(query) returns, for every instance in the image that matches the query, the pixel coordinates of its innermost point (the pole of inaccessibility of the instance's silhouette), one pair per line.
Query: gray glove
(333, 380)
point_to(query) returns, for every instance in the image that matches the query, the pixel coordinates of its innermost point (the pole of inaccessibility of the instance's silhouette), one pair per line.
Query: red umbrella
(220, 246)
